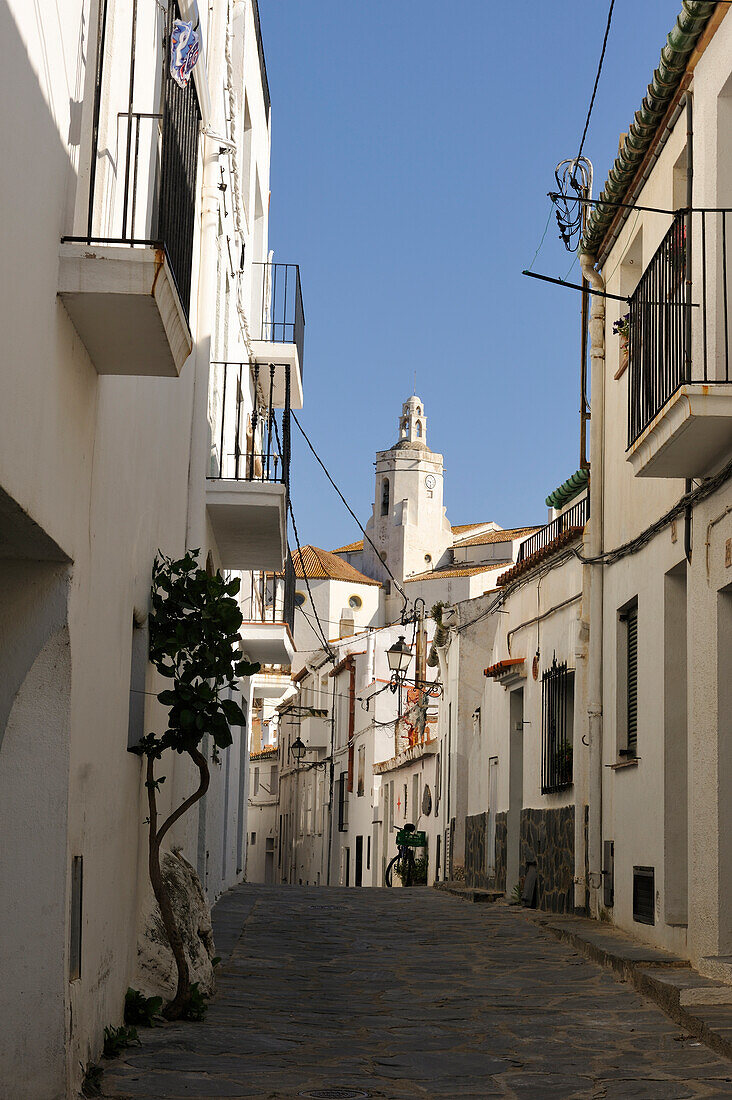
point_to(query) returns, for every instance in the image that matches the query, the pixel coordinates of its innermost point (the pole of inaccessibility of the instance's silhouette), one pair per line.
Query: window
(368, 853)
(632, 680)
(77, 876)
(644, 892)
(627, 686)
(361, 769)
(419, 429)
(255, 781)
(253, 838)
(415, 796)
(385, 497)
(557, 713)
(300, 599)
(342, 802)
(273, 778)
(355, 602)
(138, 672)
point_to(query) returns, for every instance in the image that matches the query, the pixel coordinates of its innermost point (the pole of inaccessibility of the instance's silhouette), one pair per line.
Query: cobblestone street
(410, 993)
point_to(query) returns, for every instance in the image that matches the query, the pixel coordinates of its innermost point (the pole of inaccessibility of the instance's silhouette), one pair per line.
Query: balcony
(679, 393)
(246, 491)
(548, 540)
(315, 730)
(125, 278)
(268, 608)
(278, 328)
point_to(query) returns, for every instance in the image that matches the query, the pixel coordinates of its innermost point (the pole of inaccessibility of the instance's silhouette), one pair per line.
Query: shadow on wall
(35, 689)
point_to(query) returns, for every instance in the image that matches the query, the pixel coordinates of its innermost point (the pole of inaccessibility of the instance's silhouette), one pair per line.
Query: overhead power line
(597, 81)
(351, 512)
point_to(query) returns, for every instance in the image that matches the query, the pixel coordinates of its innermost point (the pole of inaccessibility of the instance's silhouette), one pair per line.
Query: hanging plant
(621, 327)
(194, 636)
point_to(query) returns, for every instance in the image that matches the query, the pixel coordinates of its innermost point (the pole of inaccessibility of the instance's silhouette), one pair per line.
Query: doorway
(358, 871)
(515, 789)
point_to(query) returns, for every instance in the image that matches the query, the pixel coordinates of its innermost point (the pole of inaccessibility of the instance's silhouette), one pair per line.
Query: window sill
(619, 764)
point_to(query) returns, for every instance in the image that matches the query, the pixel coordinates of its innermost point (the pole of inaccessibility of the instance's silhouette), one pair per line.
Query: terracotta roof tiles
(320, 564)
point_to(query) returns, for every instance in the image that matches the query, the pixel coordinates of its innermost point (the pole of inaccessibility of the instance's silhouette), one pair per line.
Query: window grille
(557, 700)
(342, 802)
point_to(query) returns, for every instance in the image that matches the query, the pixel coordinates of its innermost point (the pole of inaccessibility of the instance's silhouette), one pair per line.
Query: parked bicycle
(403, 863)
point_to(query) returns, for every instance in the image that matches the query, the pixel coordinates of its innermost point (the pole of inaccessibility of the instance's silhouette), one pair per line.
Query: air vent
(644, 893)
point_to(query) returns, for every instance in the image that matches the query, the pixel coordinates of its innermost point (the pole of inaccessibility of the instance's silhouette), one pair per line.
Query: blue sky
(413, 143)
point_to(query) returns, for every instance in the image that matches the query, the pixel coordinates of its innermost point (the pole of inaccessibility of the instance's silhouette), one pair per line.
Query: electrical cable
(323, 467)
(597, 81)
(688, 500)
(541, 242)
(326, 644)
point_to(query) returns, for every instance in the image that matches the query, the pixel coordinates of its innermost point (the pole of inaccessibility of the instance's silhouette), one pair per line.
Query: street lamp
(298, 750)
(399, 655)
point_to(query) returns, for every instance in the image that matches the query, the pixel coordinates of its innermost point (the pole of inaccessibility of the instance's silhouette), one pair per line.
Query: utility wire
(326, 644)
(597, 81)
(320, 462)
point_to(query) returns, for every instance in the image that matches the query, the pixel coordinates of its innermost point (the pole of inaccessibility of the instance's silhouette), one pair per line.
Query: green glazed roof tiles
(568, 490)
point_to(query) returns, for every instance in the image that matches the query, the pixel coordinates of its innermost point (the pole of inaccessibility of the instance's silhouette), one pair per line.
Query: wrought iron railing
(142, 174)
(658, 331)
(271, 597)
(557, 706)
(665, 312)
(573, 519)
(278, 311)
(248, 442)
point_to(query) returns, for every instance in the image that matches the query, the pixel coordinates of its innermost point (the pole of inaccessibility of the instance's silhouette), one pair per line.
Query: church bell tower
(408, 524)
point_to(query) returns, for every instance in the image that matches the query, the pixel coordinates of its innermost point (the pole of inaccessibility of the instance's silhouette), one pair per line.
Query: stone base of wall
(476, 828)
(547, 839)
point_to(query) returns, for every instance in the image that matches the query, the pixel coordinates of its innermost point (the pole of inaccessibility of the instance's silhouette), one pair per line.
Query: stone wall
(475, 853)
(547, 839)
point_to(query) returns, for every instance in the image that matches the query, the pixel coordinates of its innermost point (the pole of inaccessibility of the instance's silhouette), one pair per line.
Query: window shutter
(632, 725)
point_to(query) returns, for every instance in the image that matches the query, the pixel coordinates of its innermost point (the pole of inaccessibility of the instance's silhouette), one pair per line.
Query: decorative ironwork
(557, 705)
(246, 446)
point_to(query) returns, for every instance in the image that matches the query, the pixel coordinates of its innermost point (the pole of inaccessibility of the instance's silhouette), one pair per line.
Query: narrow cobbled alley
(410, 993)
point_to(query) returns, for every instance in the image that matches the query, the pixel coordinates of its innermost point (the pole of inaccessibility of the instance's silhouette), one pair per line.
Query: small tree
(194, 633)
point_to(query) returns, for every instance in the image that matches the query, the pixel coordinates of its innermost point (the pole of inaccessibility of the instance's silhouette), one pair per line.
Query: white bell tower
(408, 525)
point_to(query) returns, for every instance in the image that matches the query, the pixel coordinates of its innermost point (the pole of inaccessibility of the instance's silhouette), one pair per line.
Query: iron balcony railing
(271, 597)
(142, 173)
(248, 443)
(677, 293)
(574, 518)
(278, 312)
(557, 707)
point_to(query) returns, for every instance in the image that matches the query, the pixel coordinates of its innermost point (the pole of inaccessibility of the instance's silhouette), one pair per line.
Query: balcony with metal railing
(278, 326)
(679, 393)
(249, 474)
(549, 539)
(125, 271)
(268, 607)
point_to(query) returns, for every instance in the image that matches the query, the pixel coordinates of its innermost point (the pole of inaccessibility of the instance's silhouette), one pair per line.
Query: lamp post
(398, 655)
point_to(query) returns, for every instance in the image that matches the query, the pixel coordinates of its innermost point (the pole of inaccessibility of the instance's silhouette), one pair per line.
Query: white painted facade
(665, 806)
(108, 432)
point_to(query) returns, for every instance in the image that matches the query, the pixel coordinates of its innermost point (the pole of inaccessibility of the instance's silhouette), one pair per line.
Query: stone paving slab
(411, 993)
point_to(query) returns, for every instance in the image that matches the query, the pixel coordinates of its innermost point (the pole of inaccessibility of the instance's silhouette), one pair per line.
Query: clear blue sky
(413, 143)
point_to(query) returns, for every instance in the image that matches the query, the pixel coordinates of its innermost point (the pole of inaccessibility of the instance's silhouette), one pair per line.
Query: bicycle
(403, 862)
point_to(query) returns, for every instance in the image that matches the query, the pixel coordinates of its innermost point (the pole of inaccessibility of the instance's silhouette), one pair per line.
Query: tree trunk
(178, 1005)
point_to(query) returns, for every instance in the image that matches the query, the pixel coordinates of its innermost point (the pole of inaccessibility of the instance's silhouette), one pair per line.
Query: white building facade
(135, 387)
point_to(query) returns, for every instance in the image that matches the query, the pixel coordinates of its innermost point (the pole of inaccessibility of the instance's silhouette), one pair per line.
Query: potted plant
(621, 328)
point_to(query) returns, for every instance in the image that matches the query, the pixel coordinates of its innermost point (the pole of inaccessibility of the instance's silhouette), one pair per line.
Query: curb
(700, 1005)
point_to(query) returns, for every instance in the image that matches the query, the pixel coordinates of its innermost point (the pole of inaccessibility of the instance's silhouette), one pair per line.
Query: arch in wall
(385, 495)
(419, 429)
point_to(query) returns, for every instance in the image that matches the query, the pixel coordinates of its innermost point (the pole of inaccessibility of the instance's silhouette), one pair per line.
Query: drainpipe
(594, 577)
